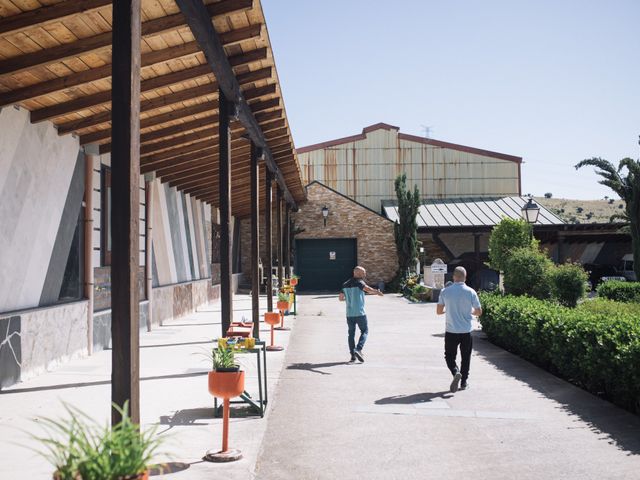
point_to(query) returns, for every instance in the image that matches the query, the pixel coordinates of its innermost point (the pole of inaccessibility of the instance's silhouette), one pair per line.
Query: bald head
(459, 274)
(359, 272)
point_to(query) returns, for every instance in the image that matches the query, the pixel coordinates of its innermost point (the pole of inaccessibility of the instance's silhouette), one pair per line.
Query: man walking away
(352, 292)
(459, 302)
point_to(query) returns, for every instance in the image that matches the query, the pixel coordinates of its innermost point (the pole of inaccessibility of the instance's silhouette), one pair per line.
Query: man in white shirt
(459, 302)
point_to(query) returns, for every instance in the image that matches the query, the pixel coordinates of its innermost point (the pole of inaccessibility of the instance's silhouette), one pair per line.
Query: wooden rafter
(198, 20)
(103, 40)
(99, 73)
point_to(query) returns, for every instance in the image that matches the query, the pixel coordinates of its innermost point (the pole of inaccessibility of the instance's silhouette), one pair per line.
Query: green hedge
(620, 291)
(597, 350)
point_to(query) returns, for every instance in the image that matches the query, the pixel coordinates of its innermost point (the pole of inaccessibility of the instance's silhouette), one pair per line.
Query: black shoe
(353, 359)
(453, 388)
(359, 356)
(464, 385)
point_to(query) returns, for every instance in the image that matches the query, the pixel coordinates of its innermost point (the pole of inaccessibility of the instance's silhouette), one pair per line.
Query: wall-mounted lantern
(325, 214)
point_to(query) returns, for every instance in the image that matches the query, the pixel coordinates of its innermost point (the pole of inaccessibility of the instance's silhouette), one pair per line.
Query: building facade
(364, 166)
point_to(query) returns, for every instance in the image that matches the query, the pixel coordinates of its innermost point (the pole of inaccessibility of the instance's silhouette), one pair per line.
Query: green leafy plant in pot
(80, 449)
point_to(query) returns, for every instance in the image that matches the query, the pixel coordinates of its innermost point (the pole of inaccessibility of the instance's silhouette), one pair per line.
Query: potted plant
(226, 381)
(283, 301)
(294, 280)
(80, 450)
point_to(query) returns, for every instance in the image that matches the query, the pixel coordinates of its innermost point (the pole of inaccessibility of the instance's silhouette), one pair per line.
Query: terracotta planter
(294, 282)
(283, 305)
(226, 384)
(272, 318)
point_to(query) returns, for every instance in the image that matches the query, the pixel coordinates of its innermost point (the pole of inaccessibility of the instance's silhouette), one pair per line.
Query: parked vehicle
(626, 268)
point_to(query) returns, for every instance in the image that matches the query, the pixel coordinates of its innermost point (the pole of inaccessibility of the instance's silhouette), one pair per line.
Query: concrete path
(174, 399)
(393, 417)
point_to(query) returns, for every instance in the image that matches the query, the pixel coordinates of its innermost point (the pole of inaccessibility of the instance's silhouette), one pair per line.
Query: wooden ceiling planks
(55, 61)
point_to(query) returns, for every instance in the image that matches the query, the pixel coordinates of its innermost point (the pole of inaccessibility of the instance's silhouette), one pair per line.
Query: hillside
(582, 211)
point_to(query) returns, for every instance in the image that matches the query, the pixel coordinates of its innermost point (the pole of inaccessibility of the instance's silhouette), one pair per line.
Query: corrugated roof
(470, 212)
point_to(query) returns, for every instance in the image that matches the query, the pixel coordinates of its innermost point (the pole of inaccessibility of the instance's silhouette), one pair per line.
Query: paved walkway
(174, 398)
(393, 417)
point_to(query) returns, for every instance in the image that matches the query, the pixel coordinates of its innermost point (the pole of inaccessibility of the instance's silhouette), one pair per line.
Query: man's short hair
(360, 269)
(460, 272)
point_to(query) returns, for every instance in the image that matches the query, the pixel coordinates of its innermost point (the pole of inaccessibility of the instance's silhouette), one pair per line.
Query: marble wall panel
(52, 335)
(10, 350)
(102, 327)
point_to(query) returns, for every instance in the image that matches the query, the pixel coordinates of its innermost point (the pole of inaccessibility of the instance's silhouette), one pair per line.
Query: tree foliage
(506, 236)
(625, 181)
(406, 228)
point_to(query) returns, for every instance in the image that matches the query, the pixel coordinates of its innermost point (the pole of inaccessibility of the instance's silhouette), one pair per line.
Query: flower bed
(594, 346)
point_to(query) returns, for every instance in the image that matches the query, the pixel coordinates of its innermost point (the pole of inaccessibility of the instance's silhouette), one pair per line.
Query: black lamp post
(325, 214)
(530, 213)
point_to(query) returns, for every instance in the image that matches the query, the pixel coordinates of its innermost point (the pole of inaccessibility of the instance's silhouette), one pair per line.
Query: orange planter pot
(226, 384)
(272, 318)
(282, 305)
(294, 282)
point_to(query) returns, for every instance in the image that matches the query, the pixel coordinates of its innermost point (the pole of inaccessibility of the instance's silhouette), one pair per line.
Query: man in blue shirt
(459, 302)
(352, 292)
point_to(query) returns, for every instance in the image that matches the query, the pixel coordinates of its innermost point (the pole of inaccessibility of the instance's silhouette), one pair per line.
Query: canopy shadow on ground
(62, 386)
(619, 427)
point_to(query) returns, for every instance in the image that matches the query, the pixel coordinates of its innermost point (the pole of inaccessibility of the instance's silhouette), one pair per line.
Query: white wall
(36, 167)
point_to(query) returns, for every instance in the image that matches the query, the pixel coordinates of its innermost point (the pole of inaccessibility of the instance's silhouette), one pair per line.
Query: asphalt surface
(392, 417)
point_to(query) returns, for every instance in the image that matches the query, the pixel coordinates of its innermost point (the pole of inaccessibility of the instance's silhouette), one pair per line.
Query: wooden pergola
(186, 89)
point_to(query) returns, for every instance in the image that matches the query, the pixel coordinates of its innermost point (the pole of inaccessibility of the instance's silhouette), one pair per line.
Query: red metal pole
(225, 425)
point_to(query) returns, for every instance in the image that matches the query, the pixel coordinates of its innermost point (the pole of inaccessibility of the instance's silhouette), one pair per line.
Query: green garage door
(324, 265)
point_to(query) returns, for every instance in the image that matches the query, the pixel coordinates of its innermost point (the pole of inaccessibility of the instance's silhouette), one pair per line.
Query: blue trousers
(361, 322)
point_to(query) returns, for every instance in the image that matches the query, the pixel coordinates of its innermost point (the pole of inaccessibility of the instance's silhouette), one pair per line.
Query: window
(71, 288)
(105, 224)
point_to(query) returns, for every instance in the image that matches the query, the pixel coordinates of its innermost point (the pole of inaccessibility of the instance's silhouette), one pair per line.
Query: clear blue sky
(551, 81)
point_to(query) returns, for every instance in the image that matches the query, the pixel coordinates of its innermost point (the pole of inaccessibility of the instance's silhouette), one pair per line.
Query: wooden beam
(287, 242)
(125, 175)
(163, 101)
(226, 272)
(256, 153)
(53, 13)
(150, 144)
(100, 73)
(162, 81)
(196, 16)
(279, 233)
(268, 181)
(103, 40)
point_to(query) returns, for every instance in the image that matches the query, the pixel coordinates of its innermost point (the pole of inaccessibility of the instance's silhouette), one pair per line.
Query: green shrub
(620, 291)
(568, 283)
(506, 236)
(606, 306)
(598, 350)
(527, 272)
(420, 293)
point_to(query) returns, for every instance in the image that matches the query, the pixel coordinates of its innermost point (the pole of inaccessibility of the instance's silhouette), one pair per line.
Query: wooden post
(148, 249)
(287, 242)
(476, 249)
(268, 237)
(125, 211)
(226, 273)
(255, 248)
(279, 234)
(88, 246)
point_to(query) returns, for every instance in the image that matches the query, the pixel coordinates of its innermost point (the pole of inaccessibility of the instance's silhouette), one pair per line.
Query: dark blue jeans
(364, 331)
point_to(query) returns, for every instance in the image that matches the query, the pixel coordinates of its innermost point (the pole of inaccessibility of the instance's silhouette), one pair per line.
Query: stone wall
(348, 219)
(39, 339)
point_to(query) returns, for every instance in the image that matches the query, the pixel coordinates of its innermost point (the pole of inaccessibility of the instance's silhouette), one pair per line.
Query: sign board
(439, 268)
(332, 255)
